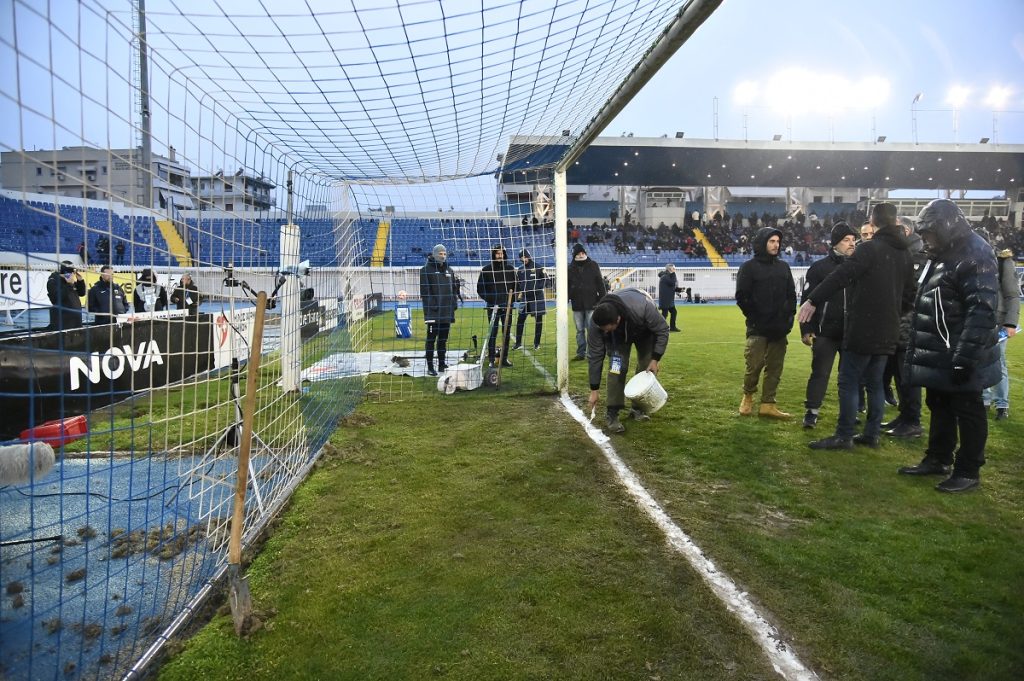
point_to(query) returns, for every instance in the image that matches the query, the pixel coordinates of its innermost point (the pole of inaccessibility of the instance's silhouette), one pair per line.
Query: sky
(809, 70)
(801, 56)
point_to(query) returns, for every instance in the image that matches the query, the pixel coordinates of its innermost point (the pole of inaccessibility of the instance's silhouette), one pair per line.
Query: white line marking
(781, 656)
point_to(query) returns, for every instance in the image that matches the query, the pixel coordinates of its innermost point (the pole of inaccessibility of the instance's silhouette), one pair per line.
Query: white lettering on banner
(22, 289)
(111, 363)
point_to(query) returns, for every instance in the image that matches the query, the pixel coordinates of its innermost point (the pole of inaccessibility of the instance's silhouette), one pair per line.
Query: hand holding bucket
(646, 393)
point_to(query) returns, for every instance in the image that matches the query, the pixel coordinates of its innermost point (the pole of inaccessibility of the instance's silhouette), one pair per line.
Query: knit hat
(840, 231)
(577, 249)
(525, 254)
(438, 250)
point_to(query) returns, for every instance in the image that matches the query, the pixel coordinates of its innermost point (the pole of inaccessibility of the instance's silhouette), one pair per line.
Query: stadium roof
(668, 161)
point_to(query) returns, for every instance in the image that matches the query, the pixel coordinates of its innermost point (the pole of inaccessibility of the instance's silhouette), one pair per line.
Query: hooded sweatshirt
(765, 290)
(496, 279)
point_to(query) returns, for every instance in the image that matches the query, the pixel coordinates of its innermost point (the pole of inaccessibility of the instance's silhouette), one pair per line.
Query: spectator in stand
(186, 295)
(668, 287)
(766, 294)
(530, 284)
(497, 279)
(952, 351)
(149, 295)
(586, 287)
(880, 277)
(82, 253)
(439, 293)
(65, 289)
(824, 331)
(106, 299)
(1007, 318)
(119, 251)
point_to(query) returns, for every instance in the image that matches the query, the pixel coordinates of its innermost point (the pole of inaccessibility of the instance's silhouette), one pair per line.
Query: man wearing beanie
(824, 331)
(496, 280)
(879, 278)
(439, 292)
(586, 287)
(530, 283)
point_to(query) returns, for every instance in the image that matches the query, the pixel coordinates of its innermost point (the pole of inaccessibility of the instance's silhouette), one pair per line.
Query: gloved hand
(961, 374)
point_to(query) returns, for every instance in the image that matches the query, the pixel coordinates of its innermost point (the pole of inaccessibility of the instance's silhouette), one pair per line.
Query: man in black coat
(586, 287)
(186, 295)
(880, 276)
(668, 287)
(530, 284)
(65, 289)
(439, 292)
(952, 351)
(497, 279)
(106, 299)
(766, 294)
(824, 332)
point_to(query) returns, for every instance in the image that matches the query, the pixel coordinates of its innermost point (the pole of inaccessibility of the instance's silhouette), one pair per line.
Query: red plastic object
(58, 432)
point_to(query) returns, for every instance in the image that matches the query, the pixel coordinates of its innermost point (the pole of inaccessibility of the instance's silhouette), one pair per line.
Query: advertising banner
(44, 376)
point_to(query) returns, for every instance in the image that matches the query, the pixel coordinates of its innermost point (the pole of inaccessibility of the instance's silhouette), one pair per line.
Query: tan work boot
(747, 405)
(769, 409)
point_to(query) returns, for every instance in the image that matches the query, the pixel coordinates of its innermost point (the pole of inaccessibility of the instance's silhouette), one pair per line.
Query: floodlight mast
(687, 20)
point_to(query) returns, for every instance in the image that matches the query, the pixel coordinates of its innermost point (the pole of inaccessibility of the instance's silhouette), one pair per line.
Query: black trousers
(910, 395)
(537, 329)
(437, 332)
(823, 357)
(492, 340)
(957, 414)
(666, 312)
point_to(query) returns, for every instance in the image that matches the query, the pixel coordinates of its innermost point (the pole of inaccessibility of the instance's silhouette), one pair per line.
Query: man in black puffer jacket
(824, 332)
(766, 294)
(439, 291)
(952, 351)
(880, 281)
(586, 287)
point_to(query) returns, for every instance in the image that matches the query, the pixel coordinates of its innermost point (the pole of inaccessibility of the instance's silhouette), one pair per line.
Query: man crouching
(622, 320)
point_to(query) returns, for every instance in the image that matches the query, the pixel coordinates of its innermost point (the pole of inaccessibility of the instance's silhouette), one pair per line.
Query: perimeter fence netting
(165, 162)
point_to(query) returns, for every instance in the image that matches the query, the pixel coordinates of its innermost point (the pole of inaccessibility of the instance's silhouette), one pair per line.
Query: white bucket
(646, 393)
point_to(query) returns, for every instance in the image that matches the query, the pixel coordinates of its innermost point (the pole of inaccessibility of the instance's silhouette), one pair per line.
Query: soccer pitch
(481, 535)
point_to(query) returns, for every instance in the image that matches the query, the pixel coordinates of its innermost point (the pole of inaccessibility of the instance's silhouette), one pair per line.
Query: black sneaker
(1002, 413)
(536, 348)
(905, 430)
(926, 467)
(889, 425)
(810, 419)
(834, 442)
(865, 441)
(517, 346)
(955, 483)
(890, 397)
(615, 426)
(505, 363)
(431, 371)
(579, 358)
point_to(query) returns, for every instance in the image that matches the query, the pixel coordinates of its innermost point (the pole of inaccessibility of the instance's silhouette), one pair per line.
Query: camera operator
(186, 295)
(65, 289)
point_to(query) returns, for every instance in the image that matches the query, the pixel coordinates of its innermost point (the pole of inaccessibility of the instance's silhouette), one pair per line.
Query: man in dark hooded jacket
(824, 331)
(65, 289)
(880, 277)
(439, 293)
(766, 294)
(621, 321)
(497, 279)
(586, 287)
(952, 351)
(106, 299)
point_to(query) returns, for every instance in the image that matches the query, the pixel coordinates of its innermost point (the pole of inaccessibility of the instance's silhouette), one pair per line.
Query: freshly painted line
(781, 656)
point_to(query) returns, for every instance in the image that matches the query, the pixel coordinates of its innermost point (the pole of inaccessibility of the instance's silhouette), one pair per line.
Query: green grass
(481, 536)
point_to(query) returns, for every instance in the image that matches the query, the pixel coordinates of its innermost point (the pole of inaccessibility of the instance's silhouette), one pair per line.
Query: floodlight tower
(957, 97)
(913, 114)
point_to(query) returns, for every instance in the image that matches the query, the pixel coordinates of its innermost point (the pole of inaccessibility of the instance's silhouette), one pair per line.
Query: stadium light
(776, 137)
(566, 133)
(983, 140)
(679, 135)
(881, 138)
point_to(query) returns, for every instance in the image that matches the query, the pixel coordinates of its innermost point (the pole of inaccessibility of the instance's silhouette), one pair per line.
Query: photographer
(65, 289)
